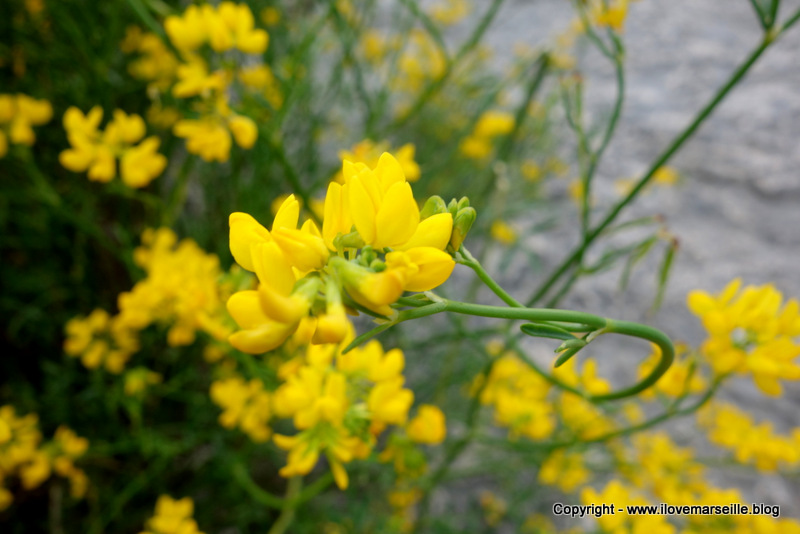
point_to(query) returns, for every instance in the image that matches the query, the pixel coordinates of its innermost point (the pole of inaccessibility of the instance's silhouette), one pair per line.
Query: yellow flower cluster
(375, 243)
(751, 443)
(224, 28)
(478, 145)
(656, 464)
(183, 288)
(369, 153)
(246, 405)
(341, 403)
(172, 517)
(98, 151)
(519, 398)
(621, 495)
(565, 470)
(18, 114)
(23, 455)
(156, 63)
(751, 332)
(100, 340)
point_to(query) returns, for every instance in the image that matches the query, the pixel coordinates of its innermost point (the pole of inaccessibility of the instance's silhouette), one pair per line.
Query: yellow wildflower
(501, 231)
(173, 516)
(18, 114)
(564, 470)
(97, 151)
(428, 426)
(750, 331)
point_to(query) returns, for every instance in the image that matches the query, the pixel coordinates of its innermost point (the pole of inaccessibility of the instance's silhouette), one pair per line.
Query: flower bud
(433, 206)
(462, 222)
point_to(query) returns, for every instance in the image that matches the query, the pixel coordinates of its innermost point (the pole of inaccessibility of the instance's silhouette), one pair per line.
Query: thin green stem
(599, 325)
(470, 261)
(290, 506)
(261, 496)
(760, 15)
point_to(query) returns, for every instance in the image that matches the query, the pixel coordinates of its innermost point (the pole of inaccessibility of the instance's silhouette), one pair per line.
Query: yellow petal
(435, 231)
(245, 308)
(288, 214)
(398, 217)
(435, 267)
(389, 172)
(245, 231)
(284, 309)
(272, 267)
(263, 339)
(362, 210)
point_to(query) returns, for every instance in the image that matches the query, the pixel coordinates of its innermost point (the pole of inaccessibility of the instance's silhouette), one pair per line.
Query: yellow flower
(611, 14)
(428, 426)
(100, 340)
(246, 405)
(369, 153)
(564, 470)
(97, 151)
(18, 114)
(752, 443)
(750, 332)
(374, 245)
(173, 516)
(502, 232)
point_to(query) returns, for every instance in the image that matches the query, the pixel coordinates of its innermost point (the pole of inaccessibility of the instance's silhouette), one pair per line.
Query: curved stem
(595, 323)
(290, 507)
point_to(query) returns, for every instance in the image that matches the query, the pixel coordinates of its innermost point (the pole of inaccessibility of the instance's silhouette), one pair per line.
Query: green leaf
(546, 330)
(663, 274)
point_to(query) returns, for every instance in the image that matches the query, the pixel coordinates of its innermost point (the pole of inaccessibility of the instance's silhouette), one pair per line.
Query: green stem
(245, 481)
(760, 15)
(179, 192)
(676, 144)
(475, 265)
(290, 507)
(595, 323)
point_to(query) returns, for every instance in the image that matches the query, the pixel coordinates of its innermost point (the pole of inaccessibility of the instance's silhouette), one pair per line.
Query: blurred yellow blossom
(504, 233)
(751, 331)
(18, 114)
(98, 151)
(173, 516)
